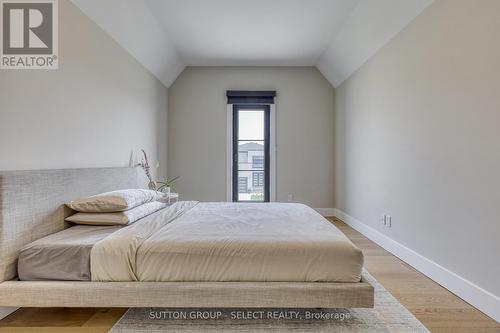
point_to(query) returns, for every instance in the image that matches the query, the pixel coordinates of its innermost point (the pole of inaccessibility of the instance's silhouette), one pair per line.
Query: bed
(190, 255)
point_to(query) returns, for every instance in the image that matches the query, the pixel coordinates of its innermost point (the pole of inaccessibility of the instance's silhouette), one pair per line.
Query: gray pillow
(117, 218)
(116, 201)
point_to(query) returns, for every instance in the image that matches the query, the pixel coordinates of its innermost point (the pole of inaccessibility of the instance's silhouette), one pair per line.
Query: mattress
(192, 241)
(64, 255)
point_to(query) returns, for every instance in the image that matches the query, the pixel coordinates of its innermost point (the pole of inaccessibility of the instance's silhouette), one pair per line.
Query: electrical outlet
(386, 220)
(290, 197)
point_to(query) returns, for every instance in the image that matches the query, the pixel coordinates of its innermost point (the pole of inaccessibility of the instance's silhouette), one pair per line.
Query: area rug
(388, 315)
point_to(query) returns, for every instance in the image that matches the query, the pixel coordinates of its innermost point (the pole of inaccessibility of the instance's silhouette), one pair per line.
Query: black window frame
(267, 135)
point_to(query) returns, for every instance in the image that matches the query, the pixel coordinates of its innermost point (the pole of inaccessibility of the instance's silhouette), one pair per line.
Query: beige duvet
(192, 241)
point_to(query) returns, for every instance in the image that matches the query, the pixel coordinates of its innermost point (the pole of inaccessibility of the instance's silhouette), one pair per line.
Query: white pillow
(117, 218)
(116, 201)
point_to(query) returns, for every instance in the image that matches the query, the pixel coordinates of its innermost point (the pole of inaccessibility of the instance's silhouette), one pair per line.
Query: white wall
(304, 131)
(418, 137)
(93, 112)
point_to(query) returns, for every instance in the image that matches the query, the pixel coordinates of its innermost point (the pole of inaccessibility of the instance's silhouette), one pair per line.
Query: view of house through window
(250, 146)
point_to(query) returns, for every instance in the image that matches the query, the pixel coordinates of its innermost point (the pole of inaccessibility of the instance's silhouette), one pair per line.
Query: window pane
(246, 189)
(242, 184)
(243, 156)
(257, 162)
(251, 125)
(251, 155)
(258, 179)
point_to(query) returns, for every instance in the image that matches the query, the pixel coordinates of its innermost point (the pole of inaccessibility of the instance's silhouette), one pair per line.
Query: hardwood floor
(438, 309)
(59, 320)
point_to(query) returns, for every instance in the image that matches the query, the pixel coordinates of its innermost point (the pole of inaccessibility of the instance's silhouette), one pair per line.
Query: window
(242, 185)
(251, 152)
(258, 179)
(251, 115)
(257, 162)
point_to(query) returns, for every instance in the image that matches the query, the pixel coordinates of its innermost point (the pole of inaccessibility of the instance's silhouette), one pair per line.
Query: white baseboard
(4, 312)
(326, 211)
(468, 291)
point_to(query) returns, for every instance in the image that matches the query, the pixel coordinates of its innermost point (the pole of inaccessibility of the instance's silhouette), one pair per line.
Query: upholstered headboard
(32, 204)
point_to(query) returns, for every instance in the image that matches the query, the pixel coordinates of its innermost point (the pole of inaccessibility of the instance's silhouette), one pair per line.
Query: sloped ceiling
(371, 25)
(337, 36)
(132, 24)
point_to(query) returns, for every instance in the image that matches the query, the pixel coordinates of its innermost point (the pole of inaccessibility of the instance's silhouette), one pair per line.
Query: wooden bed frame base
(186, 294)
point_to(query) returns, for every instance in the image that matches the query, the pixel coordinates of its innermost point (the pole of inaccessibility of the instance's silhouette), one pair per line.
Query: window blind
(250, 97)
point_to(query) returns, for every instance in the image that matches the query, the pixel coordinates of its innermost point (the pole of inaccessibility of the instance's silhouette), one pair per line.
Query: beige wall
(418, 137)
(93, 112)
(304, 131)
